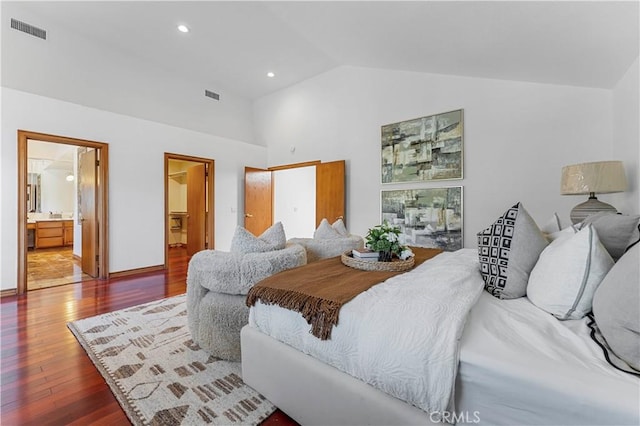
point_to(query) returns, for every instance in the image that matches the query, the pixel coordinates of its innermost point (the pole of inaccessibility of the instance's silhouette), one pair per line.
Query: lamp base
(589, 207)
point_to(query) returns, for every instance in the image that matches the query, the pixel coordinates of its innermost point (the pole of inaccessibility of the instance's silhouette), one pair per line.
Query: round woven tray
(396, 265)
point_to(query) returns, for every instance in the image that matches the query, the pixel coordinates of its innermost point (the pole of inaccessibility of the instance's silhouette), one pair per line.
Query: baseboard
(137, 271)
(8, 292)
(77, 258)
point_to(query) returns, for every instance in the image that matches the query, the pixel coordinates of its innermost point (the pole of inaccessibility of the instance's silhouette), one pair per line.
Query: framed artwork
(423, 149)
(430, 217)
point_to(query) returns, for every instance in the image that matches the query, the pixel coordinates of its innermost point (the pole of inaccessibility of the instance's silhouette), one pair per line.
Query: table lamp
(599, 177)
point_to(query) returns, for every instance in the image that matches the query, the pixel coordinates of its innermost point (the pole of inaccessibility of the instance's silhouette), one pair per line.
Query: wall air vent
(212, 95)
(29, 29)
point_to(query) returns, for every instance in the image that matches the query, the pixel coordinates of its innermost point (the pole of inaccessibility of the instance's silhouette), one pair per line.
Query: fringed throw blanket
(318, 290)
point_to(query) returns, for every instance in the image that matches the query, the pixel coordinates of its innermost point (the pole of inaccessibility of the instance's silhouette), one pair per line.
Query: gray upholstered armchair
(217, 284)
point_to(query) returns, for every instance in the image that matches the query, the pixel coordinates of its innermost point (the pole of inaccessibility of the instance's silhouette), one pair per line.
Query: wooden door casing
(258, 200)
(258, 194)
(102, 191)
(208, 207)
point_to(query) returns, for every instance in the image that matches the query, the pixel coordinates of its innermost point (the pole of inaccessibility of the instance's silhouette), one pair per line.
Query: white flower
(406, 253)
(391, 237)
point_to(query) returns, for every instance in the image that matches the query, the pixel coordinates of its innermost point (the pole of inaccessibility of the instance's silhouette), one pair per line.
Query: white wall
(517, 136)
(72, 67)
(294, 201)
(136, 175)
(626, 137)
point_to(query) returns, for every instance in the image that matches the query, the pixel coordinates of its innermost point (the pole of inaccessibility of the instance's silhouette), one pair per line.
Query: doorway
(51, 225)
(189, 204)
(54, 233)
(260, 195)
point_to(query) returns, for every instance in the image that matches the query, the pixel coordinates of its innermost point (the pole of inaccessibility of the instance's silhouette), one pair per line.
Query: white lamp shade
(600, 177)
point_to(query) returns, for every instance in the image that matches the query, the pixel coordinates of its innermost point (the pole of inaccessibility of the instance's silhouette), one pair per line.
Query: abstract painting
(430, 217)
(423, 149)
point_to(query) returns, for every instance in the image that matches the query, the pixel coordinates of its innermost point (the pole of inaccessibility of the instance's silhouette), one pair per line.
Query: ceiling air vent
(212, 95)
(29, 29)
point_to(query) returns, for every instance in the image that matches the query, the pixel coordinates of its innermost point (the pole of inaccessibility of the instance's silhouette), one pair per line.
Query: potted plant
(385, 239)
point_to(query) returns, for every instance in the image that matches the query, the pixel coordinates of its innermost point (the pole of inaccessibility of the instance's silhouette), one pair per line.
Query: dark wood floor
(46, 378)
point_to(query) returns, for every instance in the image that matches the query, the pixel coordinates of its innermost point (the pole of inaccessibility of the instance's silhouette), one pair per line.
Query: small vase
(384, 256)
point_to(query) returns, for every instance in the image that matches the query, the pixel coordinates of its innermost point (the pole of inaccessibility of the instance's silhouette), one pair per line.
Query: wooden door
(330, 191)
(196, 209)
(88, 186)
(258, 200)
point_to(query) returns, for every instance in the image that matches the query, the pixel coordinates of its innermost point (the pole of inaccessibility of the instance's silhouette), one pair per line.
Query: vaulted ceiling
(235, 44)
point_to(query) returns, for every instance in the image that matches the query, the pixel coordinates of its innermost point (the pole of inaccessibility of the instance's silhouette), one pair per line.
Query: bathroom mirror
(33, 193)
(49, 187)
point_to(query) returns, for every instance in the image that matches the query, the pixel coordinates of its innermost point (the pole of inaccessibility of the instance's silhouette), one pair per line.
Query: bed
(517, 364)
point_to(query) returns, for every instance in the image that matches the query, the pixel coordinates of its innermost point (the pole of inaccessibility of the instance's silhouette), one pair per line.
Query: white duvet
(421, 313)
(519, 365)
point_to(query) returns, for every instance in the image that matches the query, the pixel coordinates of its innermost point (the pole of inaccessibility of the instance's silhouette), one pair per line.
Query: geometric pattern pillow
(508, 251)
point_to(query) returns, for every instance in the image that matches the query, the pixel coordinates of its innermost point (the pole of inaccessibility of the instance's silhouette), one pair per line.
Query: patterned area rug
(159, 375)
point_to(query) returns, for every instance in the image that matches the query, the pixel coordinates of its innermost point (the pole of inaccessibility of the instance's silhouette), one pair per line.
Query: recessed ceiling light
(270, 74)
(183, 28)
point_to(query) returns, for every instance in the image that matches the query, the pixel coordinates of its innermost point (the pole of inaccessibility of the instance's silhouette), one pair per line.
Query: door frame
(318, 164)
(210, 199)
(102, 194)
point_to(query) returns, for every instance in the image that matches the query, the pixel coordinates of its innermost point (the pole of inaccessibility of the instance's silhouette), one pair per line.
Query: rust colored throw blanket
(318, 290)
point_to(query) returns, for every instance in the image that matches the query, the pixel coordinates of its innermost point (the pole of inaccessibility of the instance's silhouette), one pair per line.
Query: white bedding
(518, 364)
(421, 314)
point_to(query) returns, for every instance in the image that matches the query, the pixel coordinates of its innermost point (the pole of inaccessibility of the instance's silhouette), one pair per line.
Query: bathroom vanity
(52, 233)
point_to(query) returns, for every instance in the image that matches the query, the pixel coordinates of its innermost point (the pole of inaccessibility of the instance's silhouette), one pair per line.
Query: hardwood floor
(46, 378)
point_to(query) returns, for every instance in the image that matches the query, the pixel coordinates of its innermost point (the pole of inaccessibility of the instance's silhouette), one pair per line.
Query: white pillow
(339, 227)
(552, 225)
(616, 309)
(568, 231)
(325, 231)
(275, 236)
(272, 239)
(568, 273)
(615, 231)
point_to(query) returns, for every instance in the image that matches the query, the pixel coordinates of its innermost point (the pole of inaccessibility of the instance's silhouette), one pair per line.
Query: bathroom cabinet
(54, 233)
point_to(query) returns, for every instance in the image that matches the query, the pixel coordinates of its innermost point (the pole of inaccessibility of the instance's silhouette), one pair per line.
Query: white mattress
(518, 364)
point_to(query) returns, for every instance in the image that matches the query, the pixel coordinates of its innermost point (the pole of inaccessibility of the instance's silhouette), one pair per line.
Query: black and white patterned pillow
(508, 251)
